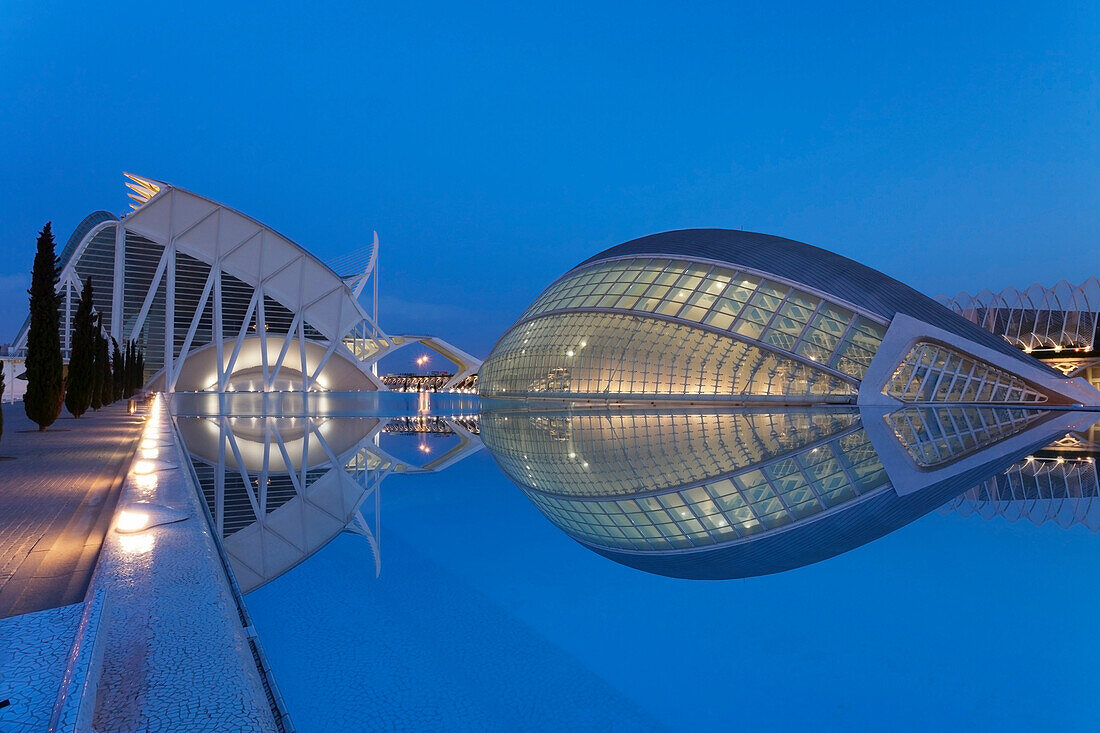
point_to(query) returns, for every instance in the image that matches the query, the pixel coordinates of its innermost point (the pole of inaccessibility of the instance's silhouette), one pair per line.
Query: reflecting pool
(447, 564)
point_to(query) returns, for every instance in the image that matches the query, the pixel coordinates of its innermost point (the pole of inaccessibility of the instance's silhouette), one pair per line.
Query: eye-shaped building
(711, 314)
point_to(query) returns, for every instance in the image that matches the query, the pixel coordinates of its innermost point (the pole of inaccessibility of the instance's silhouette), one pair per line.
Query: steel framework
(1062, 317)
(219, 300)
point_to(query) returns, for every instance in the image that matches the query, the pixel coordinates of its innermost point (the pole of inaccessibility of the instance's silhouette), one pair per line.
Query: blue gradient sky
(951, 145)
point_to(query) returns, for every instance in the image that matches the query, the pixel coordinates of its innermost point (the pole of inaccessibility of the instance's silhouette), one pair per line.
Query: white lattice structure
(221, 302)
(1038, 490)
(1062, 317)
(278, 489)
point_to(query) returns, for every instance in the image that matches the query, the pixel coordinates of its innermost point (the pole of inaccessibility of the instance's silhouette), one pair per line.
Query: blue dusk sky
(951, 145)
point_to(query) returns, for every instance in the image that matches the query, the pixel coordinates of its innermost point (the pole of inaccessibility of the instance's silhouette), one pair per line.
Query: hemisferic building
(720, 315)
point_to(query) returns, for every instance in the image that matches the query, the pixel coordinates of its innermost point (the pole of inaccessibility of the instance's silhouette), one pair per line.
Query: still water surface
(466, 566)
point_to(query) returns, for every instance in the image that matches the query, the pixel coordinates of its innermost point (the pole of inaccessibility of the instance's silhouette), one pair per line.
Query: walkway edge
(76, 700)
(275, 699)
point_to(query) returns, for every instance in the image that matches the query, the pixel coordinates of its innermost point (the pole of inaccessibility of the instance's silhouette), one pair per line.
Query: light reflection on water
(692, 493)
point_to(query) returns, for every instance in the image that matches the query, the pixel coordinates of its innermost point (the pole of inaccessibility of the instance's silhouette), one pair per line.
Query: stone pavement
(57, 498)
(34, 652)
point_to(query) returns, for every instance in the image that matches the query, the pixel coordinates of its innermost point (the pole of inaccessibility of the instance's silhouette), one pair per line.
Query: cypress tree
(118, 368)
(78, 385)
(45, 386)
(126, 372)
(107, 382)
(134, 366)
(97, 380)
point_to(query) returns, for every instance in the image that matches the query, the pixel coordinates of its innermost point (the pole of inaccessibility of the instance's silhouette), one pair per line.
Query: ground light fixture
(142, 515)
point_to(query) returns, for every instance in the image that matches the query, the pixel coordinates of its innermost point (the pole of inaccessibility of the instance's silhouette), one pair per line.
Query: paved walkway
(34, 652)
(57, 498)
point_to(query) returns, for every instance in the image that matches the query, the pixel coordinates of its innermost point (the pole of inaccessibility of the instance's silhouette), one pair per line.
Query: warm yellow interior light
(142, 190)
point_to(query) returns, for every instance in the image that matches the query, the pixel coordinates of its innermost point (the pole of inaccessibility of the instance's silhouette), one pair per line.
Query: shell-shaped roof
(816, 268)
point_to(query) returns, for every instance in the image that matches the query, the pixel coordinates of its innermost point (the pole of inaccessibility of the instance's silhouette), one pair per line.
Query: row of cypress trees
(99, 372)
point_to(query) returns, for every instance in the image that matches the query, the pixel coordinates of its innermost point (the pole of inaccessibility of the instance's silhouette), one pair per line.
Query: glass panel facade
(622, 453)
(765, 496)
(142, 259)
(98, 263)
(934, 373)
(742, 303)
(604, 354)
(938, 435)
(191, 277)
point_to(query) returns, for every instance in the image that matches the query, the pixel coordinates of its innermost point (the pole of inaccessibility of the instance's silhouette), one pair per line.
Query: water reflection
(280, 487)
(690, 492)
(719, 494)
(1053, 488)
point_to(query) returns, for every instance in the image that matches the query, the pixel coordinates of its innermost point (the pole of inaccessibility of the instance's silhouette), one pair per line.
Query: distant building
(1055, 325)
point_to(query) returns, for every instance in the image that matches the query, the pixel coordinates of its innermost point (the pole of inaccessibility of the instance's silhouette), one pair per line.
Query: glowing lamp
(130, 521)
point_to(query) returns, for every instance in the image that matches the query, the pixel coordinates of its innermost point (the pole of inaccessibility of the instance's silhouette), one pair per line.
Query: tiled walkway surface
(33, 652)
(57, 498)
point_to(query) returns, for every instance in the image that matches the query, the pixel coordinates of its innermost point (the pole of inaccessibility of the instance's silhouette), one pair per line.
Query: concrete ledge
(176, 654)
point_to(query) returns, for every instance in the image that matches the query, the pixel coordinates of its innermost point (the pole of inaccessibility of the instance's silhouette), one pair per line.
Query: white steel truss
(280, 488)
(217, 299)
(1065, 491)
(1062, 317)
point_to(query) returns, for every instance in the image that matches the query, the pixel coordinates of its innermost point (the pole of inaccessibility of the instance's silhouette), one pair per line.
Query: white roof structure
(219, 302)
(1062, 317)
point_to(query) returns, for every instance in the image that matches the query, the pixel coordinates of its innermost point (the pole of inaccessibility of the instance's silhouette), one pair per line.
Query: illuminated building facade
(709, 314)
(220, 302)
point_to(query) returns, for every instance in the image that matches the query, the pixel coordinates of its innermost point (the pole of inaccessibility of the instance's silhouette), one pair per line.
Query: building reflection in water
(681, 491)
(278, 489)
(1058, 484)
(721, 494)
